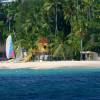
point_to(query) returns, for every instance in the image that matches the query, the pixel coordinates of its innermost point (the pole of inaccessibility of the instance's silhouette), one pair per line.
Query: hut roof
(88, 52)
(43, 41)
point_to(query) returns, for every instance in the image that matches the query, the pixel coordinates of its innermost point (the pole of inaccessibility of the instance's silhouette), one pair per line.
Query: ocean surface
(55, 84)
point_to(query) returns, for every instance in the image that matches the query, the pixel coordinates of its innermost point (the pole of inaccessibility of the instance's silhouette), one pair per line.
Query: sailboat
(9, 48)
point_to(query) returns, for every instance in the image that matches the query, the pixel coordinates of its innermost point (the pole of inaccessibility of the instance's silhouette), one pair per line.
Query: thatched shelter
(42, 52)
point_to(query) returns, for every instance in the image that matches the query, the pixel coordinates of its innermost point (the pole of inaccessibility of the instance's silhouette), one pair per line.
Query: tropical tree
(69, 25)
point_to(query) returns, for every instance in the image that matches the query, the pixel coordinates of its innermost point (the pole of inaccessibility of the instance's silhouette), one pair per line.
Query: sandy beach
(50, 65)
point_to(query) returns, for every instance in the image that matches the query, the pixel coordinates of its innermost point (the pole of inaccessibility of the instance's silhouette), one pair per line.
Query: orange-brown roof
(43, 41)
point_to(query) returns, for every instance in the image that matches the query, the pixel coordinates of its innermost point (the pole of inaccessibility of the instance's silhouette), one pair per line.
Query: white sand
(50, 65)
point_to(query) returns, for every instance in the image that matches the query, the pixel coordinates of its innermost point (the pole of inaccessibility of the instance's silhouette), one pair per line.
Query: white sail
(9, 48)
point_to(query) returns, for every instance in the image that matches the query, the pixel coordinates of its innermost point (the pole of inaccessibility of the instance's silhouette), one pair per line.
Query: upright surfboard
(9, 48)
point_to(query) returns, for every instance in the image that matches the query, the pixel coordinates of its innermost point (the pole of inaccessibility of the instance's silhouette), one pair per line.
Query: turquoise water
(56, 84)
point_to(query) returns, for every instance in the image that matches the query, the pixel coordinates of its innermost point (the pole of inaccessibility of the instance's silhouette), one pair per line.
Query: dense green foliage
(69, 25)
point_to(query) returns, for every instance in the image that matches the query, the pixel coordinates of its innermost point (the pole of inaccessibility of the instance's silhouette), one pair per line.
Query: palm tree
(52, 6)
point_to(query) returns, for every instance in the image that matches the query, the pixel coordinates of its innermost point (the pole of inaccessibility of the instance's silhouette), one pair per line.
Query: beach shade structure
(41, 53)
(9, 48)
(89, 55)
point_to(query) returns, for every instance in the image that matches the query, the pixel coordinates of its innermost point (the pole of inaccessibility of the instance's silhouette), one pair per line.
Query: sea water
(54, 84)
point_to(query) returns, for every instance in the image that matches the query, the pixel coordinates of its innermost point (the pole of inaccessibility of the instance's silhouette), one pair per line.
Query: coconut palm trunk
(56, 20)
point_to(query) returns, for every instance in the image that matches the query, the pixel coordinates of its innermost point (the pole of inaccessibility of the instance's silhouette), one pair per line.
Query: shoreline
(50, 65)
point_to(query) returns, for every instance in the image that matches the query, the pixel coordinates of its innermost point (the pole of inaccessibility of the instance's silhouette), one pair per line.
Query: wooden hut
(42, 52)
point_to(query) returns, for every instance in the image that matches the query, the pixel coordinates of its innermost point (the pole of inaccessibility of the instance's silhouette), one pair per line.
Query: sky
(7, 0)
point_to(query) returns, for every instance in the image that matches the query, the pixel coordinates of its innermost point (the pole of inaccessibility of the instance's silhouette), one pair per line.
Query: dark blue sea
(56, 84)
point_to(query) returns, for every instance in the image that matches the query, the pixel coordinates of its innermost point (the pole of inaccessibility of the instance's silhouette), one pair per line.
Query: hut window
(45, 46)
